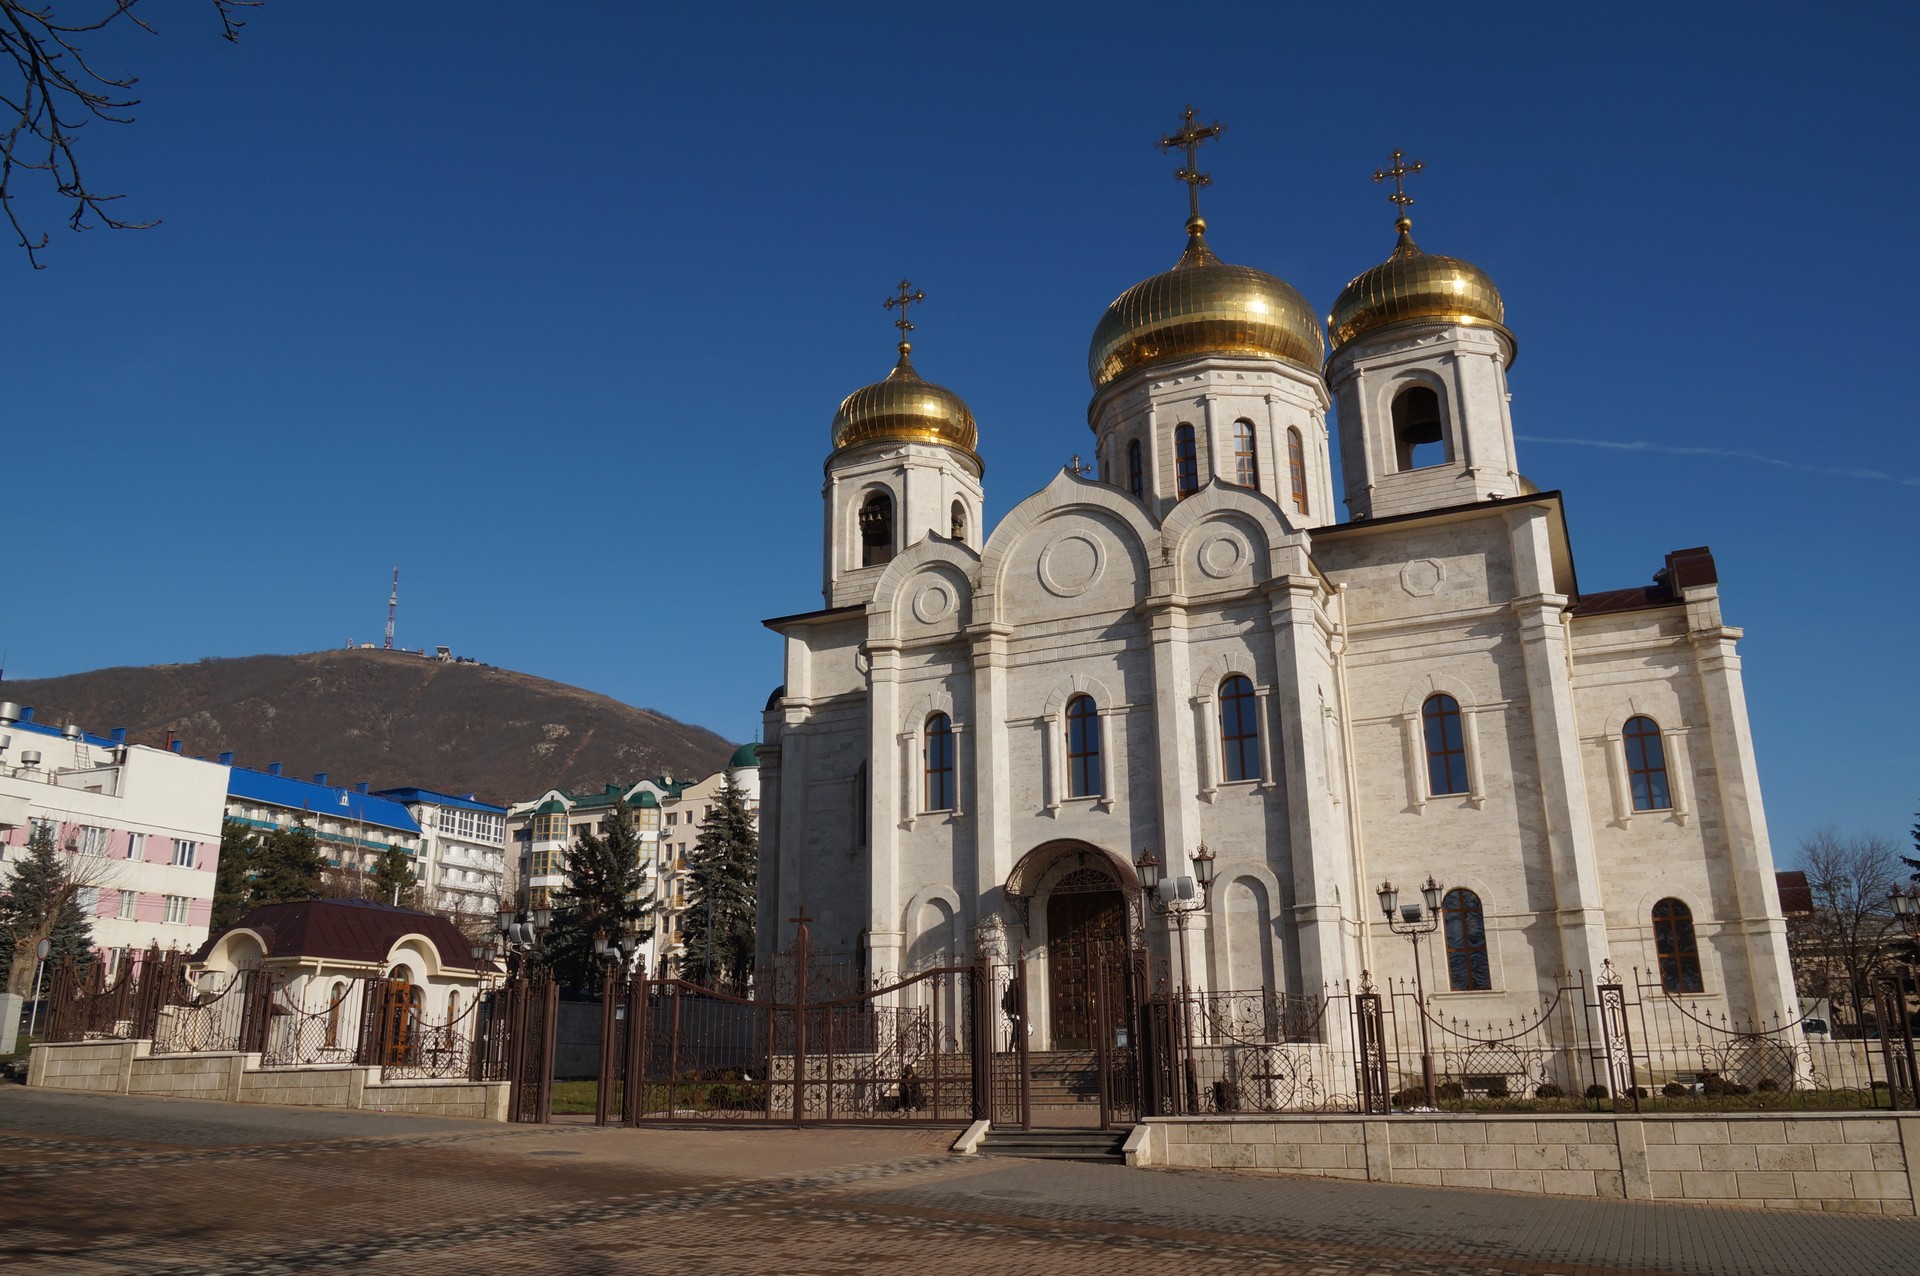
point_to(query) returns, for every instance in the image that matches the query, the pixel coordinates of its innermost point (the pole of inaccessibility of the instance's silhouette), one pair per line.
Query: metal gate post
(550, 1022)
(1022, 1029)
(609, 1055)
(1102, 1028)
(633, 1099)
(979, 992)
(800, 1018)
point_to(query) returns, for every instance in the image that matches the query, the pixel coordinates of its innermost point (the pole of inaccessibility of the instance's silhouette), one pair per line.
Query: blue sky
(555, 315)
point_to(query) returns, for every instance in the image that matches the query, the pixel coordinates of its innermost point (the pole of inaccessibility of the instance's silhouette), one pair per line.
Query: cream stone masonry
(1856, 1163)
(982, 732)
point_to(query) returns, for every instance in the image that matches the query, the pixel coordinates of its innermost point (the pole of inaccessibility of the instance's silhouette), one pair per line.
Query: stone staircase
(1103, 1146)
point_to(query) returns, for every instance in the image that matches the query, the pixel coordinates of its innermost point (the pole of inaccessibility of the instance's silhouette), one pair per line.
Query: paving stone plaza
(105, 1184)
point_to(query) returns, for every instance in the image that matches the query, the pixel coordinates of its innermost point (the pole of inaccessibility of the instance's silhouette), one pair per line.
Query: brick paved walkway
(97, 1184)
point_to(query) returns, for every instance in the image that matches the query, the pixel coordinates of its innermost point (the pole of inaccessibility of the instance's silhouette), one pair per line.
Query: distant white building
(145, 822)
(668, 814)
(353, 826)
(462, 860)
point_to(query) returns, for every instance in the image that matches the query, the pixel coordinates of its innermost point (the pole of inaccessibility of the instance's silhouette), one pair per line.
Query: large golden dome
(1415, 286)
(1204, 306)
(904, 409)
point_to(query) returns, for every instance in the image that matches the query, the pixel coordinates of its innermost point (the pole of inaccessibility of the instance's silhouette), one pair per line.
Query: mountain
(386, 717)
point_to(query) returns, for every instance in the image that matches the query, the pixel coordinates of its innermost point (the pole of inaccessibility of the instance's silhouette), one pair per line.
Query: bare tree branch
(59, 94)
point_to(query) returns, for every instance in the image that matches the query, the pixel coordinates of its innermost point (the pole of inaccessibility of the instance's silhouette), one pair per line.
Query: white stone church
(1199, 644)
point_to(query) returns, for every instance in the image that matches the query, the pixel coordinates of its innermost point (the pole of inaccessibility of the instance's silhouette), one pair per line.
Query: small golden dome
(904, 409)
(1204, 306)
(1414, 286)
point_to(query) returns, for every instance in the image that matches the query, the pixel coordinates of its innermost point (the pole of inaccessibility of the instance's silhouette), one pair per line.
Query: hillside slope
(387, 718)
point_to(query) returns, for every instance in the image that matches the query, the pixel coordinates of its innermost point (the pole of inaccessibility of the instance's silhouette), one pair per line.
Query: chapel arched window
(1083, 747)
(937, 751)
(1239, 729)
(1136, 470)
(334, 1000)
(1246, 459)
(1673, 941)
(1297, 469)
(1418, 437)
(876, 529)
(1446, 746)
(957, 523)
(1647, 765)
(1186, 462)
(1466, 927)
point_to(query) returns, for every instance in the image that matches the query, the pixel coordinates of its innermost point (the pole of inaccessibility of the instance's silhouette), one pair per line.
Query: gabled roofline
(823, 616)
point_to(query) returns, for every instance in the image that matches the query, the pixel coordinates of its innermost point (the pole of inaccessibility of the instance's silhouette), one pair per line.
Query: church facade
(1215, 641)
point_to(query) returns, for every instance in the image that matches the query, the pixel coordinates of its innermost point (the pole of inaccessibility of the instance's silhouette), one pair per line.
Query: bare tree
(44, 899)
(59, 93)
(1848, 937)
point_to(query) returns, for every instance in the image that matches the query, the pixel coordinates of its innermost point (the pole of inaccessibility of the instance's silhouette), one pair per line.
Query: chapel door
(1085, 928)
(403, 1015)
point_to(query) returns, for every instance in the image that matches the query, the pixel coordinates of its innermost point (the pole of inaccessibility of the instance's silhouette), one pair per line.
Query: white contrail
(1738, 454)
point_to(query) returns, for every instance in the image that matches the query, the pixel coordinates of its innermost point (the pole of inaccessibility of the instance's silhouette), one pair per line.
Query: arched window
(1419, 440)
(1239, 729)
(1446, 749)
(1673, 941)
(860, 804)
(1647, 765)
(1186, 463)
(334, 1001)
(1136, 472)
(1083, 747)
(957, 523)
(1467, 968)
(1297, 469)
(938, 752)
(1246, 460)
(453, 1006)
(876, 529)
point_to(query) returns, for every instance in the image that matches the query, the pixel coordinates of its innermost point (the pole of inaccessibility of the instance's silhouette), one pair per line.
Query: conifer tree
(393, 881)
(232, 887)
(42, 901)
(717, 928)
(606, 894)
(287, 864)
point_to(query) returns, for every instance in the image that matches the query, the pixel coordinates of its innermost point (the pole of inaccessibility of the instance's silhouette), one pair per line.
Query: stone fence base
(1860, 1163)
(131, 1067)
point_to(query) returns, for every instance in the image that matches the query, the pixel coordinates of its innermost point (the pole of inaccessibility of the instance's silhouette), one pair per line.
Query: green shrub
(1598, 1091)
(1675, 1090)
(1449, 1091)
(1548, 1090)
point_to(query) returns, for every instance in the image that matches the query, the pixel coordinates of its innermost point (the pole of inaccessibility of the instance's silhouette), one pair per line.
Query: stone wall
(128, 1067)
(1857, 1163)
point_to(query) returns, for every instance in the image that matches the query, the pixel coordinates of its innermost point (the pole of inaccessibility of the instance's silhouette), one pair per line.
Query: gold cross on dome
(908, 297)
(1400, 171)
(1188, 139)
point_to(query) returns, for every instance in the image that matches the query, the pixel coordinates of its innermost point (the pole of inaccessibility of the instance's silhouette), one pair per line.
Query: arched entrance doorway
(1086, 930)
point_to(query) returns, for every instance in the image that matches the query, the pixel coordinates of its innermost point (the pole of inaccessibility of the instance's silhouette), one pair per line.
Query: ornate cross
(1399, 173)
(907, 297)
(1077, 467)
(1189, 139)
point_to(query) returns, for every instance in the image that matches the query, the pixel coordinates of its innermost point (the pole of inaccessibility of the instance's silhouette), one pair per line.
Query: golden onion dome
(904, 409)
(1416, 286)
(1204, 306)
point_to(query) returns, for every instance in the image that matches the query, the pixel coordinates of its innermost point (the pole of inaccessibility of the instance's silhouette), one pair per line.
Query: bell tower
(903, 465)
(1419, 378)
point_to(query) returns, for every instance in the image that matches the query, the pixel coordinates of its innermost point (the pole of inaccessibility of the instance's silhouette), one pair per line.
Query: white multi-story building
(143, 826)
(354, 827)
(462, 848)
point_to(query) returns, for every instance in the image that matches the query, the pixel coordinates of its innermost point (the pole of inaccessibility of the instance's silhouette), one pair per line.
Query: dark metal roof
(1796, 895)
(350, 930)
(1685, 569)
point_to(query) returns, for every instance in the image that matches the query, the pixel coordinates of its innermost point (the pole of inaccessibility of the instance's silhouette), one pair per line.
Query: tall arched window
(1083, 747)
(957, 523)
(1239, 729)
(1246, 460)
(1297, 469)
(453, 1006)
(861, 800)
(938, 753)
(334, 1001)
(1136, 471)
(1647, 765)
(1186, 462)
(876, 529)
(1419, 440)
(1673, 941)
(1446, 747)
(1467, 968)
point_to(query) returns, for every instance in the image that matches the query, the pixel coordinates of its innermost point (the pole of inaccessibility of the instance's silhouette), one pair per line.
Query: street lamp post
(1175, 899)
(41, 951)
(1413, 920)
(521, 931)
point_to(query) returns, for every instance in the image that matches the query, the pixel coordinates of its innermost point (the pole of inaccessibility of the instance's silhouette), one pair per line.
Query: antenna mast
(393, 605)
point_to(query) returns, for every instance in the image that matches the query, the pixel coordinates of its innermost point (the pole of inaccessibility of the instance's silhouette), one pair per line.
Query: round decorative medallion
(1072, 564)
(933, 604)
(1223, 554)
(1422, 576)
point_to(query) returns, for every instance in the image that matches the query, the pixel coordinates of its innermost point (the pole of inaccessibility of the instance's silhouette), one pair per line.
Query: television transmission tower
(393, 605)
